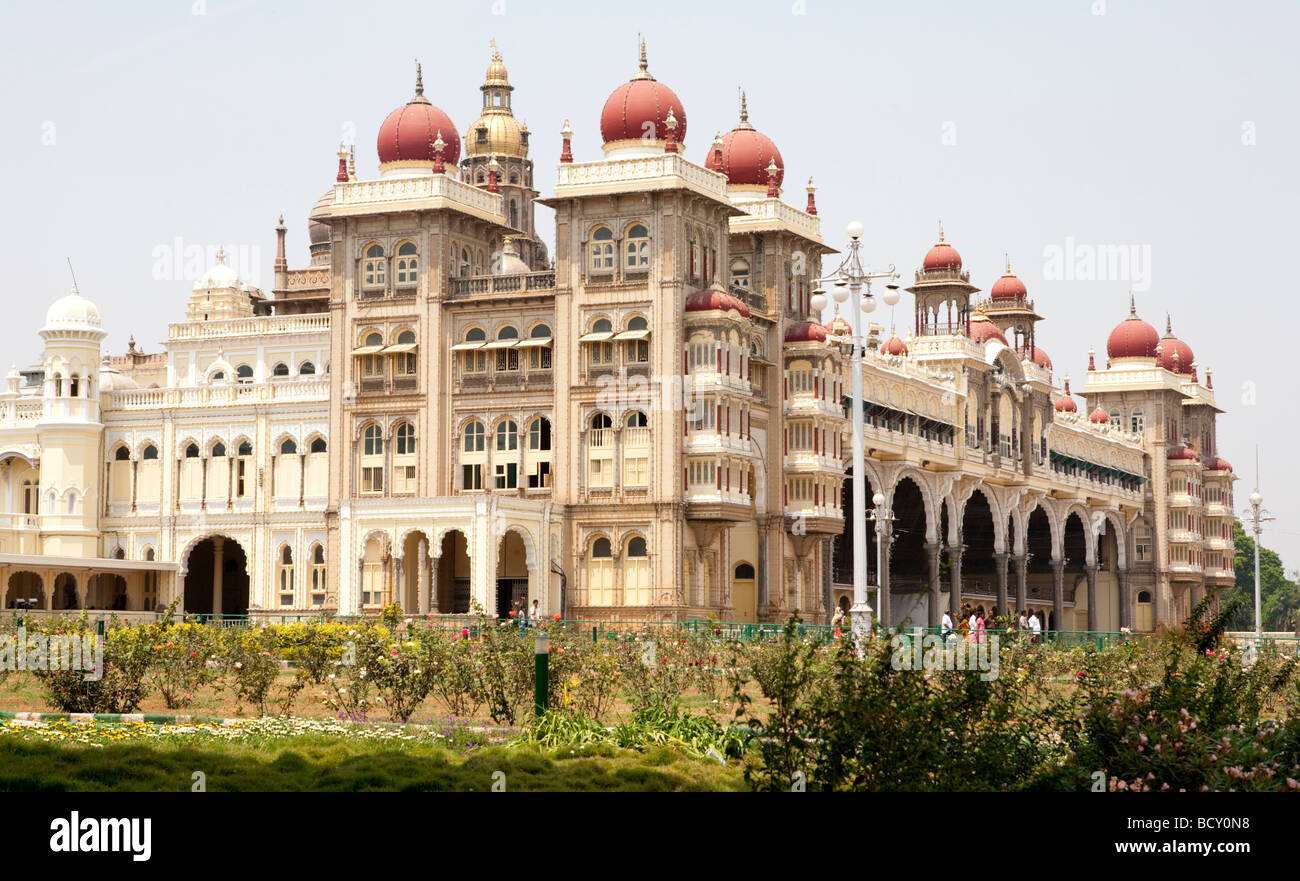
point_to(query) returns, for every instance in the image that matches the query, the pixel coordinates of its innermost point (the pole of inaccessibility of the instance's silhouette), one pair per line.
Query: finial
(493, 168)
(566, 152)
(812, 202)
(352, 162)
(496, 53)
(1209, 378)
(670, 123)
(221, 254)
(1132, 306)
(438, 145)
(744, 111)
(644, 72)
(1008, 256)
(342, 176)
(419, 79)
(1067, 385)
(771, 178)
(1169, 325)
(1092, 363)
(941, 231)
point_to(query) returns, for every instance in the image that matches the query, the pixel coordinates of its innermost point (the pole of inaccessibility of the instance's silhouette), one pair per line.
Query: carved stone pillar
(1091, 572)
(933, 551)
(954, 573)
(1000, 569)
(1058, 592)
(422, 577)
(1022, 582)
(218, 571)
(1125, 599)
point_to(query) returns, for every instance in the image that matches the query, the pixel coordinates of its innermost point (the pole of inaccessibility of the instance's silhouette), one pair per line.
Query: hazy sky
(135, 131)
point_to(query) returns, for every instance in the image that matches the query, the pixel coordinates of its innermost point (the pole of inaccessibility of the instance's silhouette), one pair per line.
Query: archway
(213, 560)
(413, 569)
(978, 568)
(909, 584)
(842, 552)
(106, 590)
(744, 594)
(25, 586)
(65, 591)
(1038, 546)
(454, 574)
(512, 574)
(1074, 549)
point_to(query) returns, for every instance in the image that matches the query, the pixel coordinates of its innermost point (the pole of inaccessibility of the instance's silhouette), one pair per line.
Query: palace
(651, 423)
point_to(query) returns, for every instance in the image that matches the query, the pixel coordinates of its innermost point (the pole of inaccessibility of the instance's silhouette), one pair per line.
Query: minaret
(497, 136)
(70, 424)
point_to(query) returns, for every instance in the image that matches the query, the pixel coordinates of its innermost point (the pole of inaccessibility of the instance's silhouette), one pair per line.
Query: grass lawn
(122, 758)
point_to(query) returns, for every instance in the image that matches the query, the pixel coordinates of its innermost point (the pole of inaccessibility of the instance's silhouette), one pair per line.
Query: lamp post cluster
(1257, 517)
(852, 282)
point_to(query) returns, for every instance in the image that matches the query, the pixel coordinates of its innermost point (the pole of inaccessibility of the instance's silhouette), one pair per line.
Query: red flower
(713, 660)
(557, 618)
(512, 613)
(663, 660)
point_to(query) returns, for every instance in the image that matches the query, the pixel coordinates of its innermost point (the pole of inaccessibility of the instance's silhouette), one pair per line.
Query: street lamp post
(848, 280)
(1257, 517)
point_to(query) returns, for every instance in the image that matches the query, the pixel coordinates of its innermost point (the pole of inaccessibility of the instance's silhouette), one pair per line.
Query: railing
(219, 395)
(365, 193)
(269, 324)
(500, 284)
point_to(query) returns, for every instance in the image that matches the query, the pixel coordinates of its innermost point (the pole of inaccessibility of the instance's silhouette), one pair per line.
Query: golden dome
(496, 131)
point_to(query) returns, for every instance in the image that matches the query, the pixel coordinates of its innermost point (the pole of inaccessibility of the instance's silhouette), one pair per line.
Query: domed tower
(943, 293)
(1010, 308)
(407, 137)
(497, 143)
(744, 158)
(634, 122)
(70, 430)
(219, 295)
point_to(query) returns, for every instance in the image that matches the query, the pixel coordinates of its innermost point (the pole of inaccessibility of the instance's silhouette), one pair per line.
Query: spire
(342, 176)
(493, 168)
(715, 155)
(1008, 256)
(772, 191)
(812, 202)
(1092, 355)
(1132, 306)
(221, 258)
(566, 152)
(941, 232)
(281, 263)
(670, 123)
(496, 53)
(352, 162)
(438, 146)
(419, 85)
(644, 72)
(744, 111)
(1169, 325)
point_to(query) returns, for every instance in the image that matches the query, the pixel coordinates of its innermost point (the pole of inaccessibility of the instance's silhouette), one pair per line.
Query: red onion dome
(1065, 403)
(746, 153)
(894, 346)
(838, 326)
(409, 131)
(1099, 416)
(941, 256)
(1008, 287)
(982, 330)
(1183, 453)
(1171, 345)
(1132, 338)
(716, 300)
(1217, 464)
(1039, 356)
(640, 107)
(805, 332)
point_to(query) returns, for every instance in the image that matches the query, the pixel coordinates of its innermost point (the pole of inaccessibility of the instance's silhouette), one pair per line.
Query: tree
(1279, 597)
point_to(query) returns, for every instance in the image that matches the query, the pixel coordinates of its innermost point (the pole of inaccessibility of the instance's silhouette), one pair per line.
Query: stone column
(1022, 582)
(1058, 592)
(399, 584)
(1125, 599)
(422, 577)
(1195, 593)
(218, 572)
(886, 549)
(1091, 572)
(954, 573)
(1000, 562)
(933, 552)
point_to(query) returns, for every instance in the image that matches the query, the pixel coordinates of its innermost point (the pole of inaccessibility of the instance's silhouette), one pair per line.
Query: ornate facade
(436, 412)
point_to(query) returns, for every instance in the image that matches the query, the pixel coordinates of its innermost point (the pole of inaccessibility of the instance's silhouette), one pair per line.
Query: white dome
(219, 277)
(112, 380)
(72, 311)
(510, 263)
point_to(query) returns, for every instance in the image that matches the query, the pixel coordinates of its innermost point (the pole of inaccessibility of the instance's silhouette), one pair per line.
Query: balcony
(373, 384)
(491, 285)
(405, 384)
(717, 442)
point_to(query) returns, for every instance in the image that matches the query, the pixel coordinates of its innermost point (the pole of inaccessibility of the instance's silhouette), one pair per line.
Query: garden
(427, 704)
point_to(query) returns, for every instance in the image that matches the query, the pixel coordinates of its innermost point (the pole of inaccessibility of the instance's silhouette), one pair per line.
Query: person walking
(1035, 627)
(945, 631)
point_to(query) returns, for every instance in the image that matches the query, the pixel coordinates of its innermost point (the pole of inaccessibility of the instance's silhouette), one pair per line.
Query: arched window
(286, 576)
(473, 457)
(636, 573)
(219, 376)
(245, 448)
(600, 421)
(307, 369)
(636, 450)
(602, 249)
(539, 347)
(244, 372)
(514, 207)
(280, 369)
(464, 253)
(372, 459)
(475, 356)
(637, 340)
(600, 339)
(507, 356)
(150, 452)
(192, 451)
(636, 420)
(539, 434)
(374, 267)
(289, 447)
(119, 553)
(404, 359)
(318, 445)
(407, 265)
(74, 388)
(372, 362)
(507, 435)
(637, 248)
(740, 273)
(475, 335)
(474, 438)
(600, 573)
(744, 572)
(1137, 424)
(122, 454)
(317, 575)
(508, 332)
(218, 450)
(404, 458)
(148, 555)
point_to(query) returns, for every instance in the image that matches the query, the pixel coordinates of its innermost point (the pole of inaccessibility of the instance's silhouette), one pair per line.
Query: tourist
(1022, 623)
(981, 625)
(972, 624)
(1035, 627)
(536, 612)
(839, 621)
(946, 626)
(963, 629)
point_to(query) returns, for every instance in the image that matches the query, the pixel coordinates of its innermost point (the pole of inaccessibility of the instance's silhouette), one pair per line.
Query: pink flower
(239, 665)
(464, 631)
